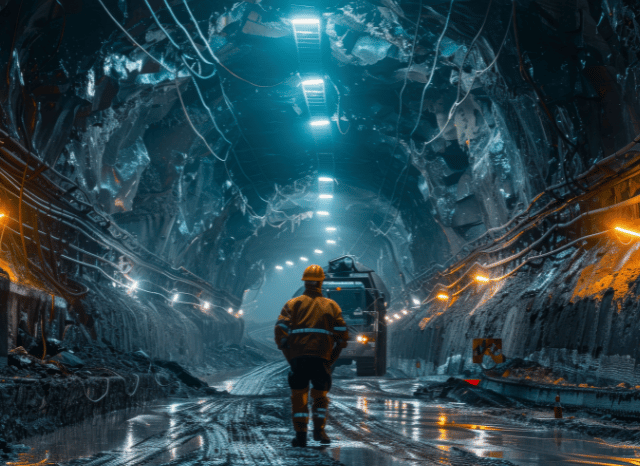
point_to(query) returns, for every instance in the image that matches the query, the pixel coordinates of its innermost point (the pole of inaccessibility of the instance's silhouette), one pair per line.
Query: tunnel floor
(374, 421)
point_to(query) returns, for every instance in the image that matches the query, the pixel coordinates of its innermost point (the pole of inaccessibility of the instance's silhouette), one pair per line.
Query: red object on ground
(472, 381)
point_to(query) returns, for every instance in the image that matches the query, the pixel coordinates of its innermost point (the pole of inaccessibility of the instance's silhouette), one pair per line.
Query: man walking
(311, 333)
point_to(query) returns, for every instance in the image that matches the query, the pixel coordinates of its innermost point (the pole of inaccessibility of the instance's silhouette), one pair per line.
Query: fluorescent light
(330, 241)
(318, 251)
(629, 232)
(482, 278)
(230, 310)
(325, 178)
(279, 267)
(319, 123)
(331, 228)
(289, 263)
(305, 21)
(326, 196)
(322, 213)
(206, 305)
(416, 301)
(312, 82)
(304, 259)
(175, 298)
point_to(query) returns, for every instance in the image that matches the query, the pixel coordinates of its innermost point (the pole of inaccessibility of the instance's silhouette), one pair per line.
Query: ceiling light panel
(306, 31)
(323, 122)
(315, 96)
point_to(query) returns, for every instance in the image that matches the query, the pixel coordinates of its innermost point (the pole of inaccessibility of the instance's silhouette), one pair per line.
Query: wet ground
(374, 421)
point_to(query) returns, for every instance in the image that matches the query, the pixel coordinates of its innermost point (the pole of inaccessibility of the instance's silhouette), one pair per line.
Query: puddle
(453, 425)
(119, 430)
(366, 456)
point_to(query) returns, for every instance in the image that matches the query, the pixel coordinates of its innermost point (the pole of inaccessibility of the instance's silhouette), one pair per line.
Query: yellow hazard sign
(491, 347)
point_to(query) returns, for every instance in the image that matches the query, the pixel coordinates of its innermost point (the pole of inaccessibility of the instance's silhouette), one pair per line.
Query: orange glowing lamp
(2, 215)
(443, 296)
(628, 232)
(482, 279)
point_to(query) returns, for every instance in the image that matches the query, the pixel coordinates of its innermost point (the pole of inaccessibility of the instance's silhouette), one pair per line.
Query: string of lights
(437, 291)
(70, 218)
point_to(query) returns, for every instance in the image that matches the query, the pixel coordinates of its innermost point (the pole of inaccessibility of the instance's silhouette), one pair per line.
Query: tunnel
(465, 173)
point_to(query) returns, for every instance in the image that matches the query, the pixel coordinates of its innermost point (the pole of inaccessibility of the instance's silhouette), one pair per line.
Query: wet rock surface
(462, 391)
(38, 396)
(373, 421)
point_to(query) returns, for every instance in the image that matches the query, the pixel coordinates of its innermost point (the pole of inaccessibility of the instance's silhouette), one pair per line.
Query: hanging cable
(433, 68)
(186, 114)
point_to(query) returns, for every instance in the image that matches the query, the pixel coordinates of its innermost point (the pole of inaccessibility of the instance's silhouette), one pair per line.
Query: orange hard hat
(313, 273)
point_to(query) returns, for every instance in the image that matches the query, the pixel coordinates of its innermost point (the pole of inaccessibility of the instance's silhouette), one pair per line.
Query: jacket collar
(313, 292)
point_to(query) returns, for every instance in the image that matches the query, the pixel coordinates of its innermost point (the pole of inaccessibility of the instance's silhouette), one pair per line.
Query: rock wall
(28, 406)
(578, 313)
(179, 332)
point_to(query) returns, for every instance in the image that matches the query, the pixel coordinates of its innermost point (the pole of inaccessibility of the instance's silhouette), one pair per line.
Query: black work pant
(307, 369)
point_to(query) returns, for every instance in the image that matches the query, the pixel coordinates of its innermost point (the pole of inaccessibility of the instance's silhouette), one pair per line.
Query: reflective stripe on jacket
(310, 325)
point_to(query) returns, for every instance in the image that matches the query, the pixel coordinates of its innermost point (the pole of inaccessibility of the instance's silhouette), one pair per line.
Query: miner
(311, 333)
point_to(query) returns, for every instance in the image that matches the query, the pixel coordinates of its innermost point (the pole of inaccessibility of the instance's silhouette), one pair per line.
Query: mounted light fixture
(175, 298)
(304, 259)
(325, 179)
(331, 241)
(322, 213)
(133, 287)
(300, 21)
(443, 296)
(325, 196)
(331, 229)
(416, 301)
(628, 232)
(206, 305)
(230, 310)
(397, 316)
(318, 251)
(279, 267)
(289, 263)
(481, 278)
(320, 123)
(404, 311)
(312, 82)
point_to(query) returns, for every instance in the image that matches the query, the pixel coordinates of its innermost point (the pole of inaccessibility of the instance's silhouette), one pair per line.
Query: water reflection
(120, 430)
(452, 424)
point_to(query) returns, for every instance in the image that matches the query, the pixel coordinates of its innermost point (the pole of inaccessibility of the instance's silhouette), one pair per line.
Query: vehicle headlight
(362, 339)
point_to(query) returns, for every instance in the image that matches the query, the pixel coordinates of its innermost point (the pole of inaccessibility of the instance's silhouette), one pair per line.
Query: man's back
(311, 324)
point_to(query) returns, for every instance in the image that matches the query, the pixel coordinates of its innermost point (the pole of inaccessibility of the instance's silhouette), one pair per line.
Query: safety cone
(557, 409)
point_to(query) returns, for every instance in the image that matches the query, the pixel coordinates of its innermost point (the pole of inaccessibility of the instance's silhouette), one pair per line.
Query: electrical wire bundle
(50, 232)
(523, 240)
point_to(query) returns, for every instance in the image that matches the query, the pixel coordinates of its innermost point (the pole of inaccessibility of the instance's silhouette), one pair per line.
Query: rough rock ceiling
(447, 118)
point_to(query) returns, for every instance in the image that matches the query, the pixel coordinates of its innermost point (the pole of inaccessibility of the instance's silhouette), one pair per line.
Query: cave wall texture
(452, 117)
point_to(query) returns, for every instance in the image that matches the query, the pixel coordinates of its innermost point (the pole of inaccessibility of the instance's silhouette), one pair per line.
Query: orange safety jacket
(310, 325)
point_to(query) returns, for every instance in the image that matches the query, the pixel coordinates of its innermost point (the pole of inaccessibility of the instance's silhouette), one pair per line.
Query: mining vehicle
(363, 297)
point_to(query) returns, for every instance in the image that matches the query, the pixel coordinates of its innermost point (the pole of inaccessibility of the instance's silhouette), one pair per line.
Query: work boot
(300, 440)
(319, 435)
